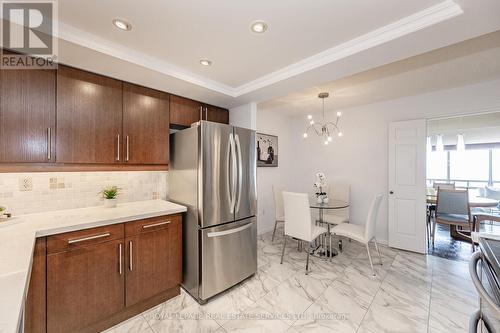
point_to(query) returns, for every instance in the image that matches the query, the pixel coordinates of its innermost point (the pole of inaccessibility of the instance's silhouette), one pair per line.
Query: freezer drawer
(228, 256)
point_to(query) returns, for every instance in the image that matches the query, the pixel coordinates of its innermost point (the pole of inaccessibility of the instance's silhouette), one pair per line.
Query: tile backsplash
(25, 193)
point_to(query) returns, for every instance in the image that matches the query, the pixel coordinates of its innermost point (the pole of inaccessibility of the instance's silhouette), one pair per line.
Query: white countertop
(17, 240)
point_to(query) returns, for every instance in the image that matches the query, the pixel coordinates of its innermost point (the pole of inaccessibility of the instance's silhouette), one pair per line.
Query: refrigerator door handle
(240, 172)
(232, 191)
(230, 231)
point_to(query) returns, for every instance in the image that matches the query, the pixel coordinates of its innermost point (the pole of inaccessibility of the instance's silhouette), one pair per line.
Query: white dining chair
(298, 222)
(279, 214)
(363, 233)
(338, 191)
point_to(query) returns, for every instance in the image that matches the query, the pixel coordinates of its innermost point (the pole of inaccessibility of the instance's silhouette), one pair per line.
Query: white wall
(275, 124)
(360, 157)
(244, 116)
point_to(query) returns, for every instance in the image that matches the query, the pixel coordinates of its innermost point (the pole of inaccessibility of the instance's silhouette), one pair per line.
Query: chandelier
(323, 129)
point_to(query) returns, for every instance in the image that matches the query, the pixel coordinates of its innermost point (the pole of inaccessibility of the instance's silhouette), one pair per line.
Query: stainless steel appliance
(213, 173)
(484, 268)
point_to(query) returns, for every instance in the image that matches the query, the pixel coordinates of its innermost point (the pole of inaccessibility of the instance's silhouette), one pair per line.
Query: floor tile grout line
(430, 295)
(147, 322)
(378, 290)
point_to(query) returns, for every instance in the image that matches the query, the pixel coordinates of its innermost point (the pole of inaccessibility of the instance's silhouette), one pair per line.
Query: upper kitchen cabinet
(145, 125)
(184, 112)
(27, 116)
(216, 114)
(89, 117)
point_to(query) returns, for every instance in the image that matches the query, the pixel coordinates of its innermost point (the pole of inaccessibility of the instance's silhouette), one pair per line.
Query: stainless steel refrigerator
(213, 173)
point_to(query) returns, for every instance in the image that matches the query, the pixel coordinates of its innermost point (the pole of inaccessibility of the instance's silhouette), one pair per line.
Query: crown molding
(420, 20)
(76, 36)
(415, 22)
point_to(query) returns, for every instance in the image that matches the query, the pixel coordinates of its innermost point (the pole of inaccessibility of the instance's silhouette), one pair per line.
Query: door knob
(391, 192)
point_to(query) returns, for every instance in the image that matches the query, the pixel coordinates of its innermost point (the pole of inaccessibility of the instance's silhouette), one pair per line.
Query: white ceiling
(308, 42)
(181, 32)
(468, 62)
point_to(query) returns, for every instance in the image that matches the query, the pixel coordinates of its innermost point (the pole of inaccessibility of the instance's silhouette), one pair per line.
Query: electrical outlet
(25, 184)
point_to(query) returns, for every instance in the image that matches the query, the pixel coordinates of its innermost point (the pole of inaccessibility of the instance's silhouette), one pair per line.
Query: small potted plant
(2, 212)
(321, 196)
(109, 194)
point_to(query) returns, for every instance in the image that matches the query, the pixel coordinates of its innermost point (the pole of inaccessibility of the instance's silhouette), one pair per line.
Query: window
(470, 165)
(436, 165)
(495, 164)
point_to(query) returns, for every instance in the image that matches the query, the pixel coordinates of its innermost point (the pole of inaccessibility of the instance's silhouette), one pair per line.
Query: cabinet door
(36, 314)
(84, 286)
(89, 117)
(145, 125)
(183, 111)
(154, 262)
(216, 114)
(27, 115)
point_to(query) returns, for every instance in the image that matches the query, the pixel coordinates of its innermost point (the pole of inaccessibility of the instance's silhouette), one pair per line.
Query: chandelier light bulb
(339, 114)
(311, 122)
(309, 117)
(304, 135)
(326, 142)
(340, 134)
(330, 138)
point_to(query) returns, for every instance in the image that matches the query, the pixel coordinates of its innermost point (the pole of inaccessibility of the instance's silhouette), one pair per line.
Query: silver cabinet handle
(240, 172)
(230, 231)
(118, 148)
(201, 112)
(120, 250)
(78, 240)
(206, 113)
(128, 149)
(155, 224)
(130, 260)
(476, 256)
(49, 143)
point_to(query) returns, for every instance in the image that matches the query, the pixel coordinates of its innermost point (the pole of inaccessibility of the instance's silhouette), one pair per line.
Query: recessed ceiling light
(123, 25)
(205, 62)
(259, 27)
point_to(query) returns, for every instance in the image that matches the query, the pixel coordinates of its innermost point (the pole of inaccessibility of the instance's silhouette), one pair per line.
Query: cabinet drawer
(151, 224)
(80, 238)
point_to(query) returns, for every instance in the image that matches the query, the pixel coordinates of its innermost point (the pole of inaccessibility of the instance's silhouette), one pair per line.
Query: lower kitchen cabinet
(153, 254)
(36, 311)
(84, 286)
(90, 280)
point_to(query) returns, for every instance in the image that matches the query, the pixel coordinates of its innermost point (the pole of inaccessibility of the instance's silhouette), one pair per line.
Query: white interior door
(407, 208)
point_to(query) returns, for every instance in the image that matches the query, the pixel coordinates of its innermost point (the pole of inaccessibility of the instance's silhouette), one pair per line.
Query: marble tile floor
(410, 293)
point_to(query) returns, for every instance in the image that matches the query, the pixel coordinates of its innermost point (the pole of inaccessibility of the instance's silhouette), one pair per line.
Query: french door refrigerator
(213, 172)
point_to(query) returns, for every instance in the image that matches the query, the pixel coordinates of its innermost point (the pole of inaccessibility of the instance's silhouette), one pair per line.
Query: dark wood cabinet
(145, 125)
(84, 286)
(89, 280)
(184, 112)
(216, 114)
(27, 116)
(153, 259)
(73, 120)
(89, 117)
(36, 314)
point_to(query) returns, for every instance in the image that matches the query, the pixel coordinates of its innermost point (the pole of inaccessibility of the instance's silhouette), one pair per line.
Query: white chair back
(279, 212)
(298, 222)
(371, 219)
(340, 191)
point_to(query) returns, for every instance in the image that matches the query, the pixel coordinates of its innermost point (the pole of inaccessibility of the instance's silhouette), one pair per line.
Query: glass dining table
(323, 249)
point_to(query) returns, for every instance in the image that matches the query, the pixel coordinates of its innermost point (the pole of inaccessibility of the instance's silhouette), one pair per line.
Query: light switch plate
(25, 184)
